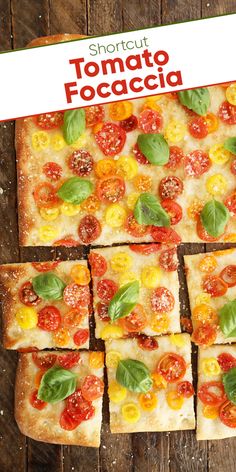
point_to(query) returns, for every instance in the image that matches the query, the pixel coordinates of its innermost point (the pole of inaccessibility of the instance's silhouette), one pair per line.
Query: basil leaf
(74, 125)
(230, 145)
(148, 211)
(214, 217)
(229, 381)
(48, 286)
(155, 148)
(75, 190)
(56, 385)
(197, 99)
(134, 375)
(228, 319)
(124, 301)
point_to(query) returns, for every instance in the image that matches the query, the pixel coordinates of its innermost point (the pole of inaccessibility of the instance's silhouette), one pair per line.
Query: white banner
(117, 67)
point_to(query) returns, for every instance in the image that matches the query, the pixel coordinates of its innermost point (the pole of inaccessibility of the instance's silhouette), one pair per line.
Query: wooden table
(20, 22)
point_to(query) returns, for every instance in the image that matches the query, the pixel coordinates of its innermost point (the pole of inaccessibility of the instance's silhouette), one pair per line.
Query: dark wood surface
(20, 22)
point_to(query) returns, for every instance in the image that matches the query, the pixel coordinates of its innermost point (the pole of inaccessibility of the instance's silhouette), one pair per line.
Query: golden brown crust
(56, 38)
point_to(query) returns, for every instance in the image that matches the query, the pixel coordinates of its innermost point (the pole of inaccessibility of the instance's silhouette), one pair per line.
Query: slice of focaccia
(150, 385)
(216, 414)
(152, 300)
(70, 387)
(211, 279)
(45, 304)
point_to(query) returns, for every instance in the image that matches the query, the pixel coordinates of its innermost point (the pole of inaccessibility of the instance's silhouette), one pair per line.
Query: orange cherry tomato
(136, 321)
(110, 189)
(94, 115)
(173, 209)
(145, 249)
(230, 203)
(172, 367)
(215, 286)
(135, 229)
(150, 121)
(227, 414)
(212, 393)
(74, 317)
(45, 195)
(203, 234)
(92, 388)
(228, 275)
(162, 300)
(205, 334)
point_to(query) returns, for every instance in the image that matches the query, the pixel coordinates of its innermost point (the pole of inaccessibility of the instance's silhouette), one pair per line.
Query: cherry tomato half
(81, 337)
(205, 334)
(212, 393)
(49, 318)
(162, 300)
(135, 229)
(226, 361)
(28, 296)
(227, 414)
(168, 259)
(45, 266)
(106, 289)
(36, 402)
(102, 311)
(185, 389)
(173, 209)
(150, 121)
(176, 158)
(66, 242)
(230, 203)
(202, 232)
(89, 229)
(165, 235)
(228, 275)
(110, 189)
(50, 120)
(67, 361)
(227, 113)
(98, 264)
(147, 343)
(78, 407)
(75, 295)
(172, 367)
(52, 171)
(145, 249)
(44, 361)
(196, 163)
(94, 115)
(92, 387)
(136, 321)
(130, 124)
(215, 286)
(233, 167)
(67, 420)
(81, 163)
(139, 156)
(111, 139)
(198, 128)
(45, 195)
(170, 187)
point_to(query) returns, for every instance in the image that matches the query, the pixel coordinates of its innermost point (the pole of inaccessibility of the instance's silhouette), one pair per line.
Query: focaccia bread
(77, 418)
(45, 304)
(167, 404)
(183, 172)
(211, 279)
(216, 415)
(153, 268)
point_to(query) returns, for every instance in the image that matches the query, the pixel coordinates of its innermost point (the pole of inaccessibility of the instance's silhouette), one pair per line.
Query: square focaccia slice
(70, 386)
(216, 414)
(211, 279)
(156, 395)
(45, 304)
(154, 269)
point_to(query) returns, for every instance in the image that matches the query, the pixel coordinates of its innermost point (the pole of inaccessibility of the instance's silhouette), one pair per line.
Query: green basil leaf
(124, 301)
(214, 217)
(74, 125)
(228, 319)
(155, 148)
(197, 100)
(75, 190)
(230, 145)
(48, 286)
(229, 381)
(56, 385)
(134, 375)
(148, 211)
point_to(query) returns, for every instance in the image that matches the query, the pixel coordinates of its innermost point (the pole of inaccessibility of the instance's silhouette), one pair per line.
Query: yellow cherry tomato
(210, 412)
(112, 359)
(27, 317)
(212, 122)
(231, 94)
(202, 298)
(195, 208)
(142, 183)
(105, 168)
(151, 276)
(151, 103)
(208, 264)
(121, 261)
(120, 110)
(224, 252)
(49, 214)
(174, 400)
(177, 340)
(80, 274)
(48, 233)
(216, 184)
(175, 131)
(130, 412)
(117, 393)
(218, 154)
(91, 204)
(112, 332)
(40, 140)
(80, 143)
(159, 382)
(69, 209)
(57, 142)
(115, 215)
(127, 167)
(210, 366)
(148, 401)
(230, 238)
(96, 360)
(127, 278)
(132, 199)
(160, 323)
(205, 313)
(61, 337)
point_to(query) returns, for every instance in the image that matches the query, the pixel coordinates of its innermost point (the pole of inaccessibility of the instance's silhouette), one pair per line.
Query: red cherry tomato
(94, 115)
(186, 324)
(106, 289)
(136, 321)
(227, 414)
(150, 121)
(78, 407)
(165, 235)
(81, 163)
(75, 295)
(228, 275)
(162, 300)
(202, 232)
(139, 156)
(230, 203)
(214, 285)
(98, 264)
(134, 228)
(172, 367)
(45, 266)
(185, 389)
(110, 189)
(233, 167)
(53, 171)
(92, 388)
(81, 337)
(176, 158)
(28, 296)
(130, 124)
(196, 163)
(45, 195)
(67, 361)
(67, 420)
(44, 361)
(50, 120)
(66, 242)
(36, 402)
(102, 311)
(173, 209)
(89, 229)
(204, 335)
(226, 361)
(227, 113)
(111, 139)
(198, 128)
(147, 343)
(168, 259)
(49, 318)
(145, 249)
(170, 187)
(212, 393)
(27, 349)
(73, 318)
